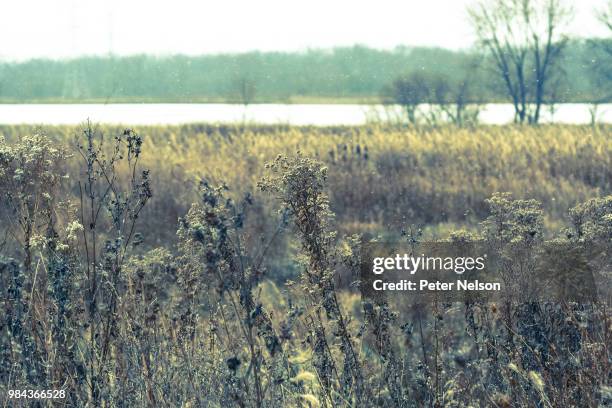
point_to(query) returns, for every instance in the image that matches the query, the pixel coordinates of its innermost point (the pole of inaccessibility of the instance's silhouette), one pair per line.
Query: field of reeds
(207, 266)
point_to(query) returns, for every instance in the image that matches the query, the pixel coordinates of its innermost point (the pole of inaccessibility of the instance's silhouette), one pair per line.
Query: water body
(294, 114)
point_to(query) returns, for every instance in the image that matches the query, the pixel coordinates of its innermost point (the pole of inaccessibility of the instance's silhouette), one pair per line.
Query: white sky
(67, 28)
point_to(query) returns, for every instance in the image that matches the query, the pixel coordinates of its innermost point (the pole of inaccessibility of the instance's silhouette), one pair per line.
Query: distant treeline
(342, 73)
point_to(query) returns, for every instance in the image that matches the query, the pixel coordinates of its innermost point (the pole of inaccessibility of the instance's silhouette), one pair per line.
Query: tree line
(352, 72)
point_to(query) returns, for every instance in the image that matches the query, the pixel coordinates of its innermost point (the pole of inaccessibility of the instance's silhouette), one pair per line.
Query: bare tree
(605, 15)
(525, 40)
(245, 90)
(435, 98)
(462, 101)
(446, 100)
(601, 49)
(409, 93)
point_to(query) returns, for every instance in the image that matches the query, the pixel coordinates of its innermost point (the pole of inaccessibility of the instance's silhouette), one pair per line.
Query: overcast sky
(67, 28)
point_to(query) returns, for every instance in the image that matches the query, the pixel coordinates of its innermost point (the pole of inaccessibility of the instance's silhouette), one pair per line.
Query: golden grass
(384, 176)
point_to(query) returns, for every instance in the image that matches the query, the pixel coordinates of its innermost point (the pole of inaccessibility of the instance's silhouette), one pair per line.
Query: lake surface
(294, 114)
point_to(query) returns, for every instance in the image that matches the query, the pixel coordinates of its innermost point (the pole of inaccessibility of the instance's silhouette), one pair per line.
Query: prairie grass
(382, 177)
(204, 266)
